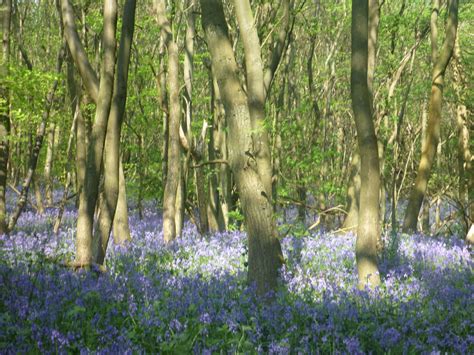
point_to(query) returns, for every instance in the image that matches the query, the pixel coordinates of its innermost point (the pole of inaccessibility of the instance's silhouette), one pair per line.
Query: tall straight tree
(353, 191)
(5, 17)
(368, 222)
(173, 174)
(440, 63)
(265, 255)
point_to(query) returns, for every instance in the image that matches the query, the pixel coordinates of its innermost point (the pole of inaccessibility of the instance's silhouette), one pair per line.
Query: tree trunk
(85, 254)
(255, 92)
(111, 159)
(465, 166)
(265, 255)
(353, 195)
(38, 196)
(353, 191)
(48, 165)
(5, 16)
(121, 228)
(67, 185)
(368, 222)
(434, 119)
(173, 174)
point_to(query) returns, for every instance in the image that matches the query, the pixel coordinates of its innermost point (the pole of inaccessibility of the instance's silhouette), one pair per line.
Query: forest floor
(191, 295)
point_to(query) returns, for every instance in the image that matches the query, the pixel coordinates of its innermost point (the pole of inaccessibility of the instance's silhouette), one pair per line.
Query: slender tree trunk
(353, 195)
(121, 228)
(48, 165)
(5, 16)
(174, 149)
(111, 158)
(434, 118)
(67, 185)
(265, 255)
(465, 166)
(38, 196)
(213, 200)
(368, 222)
(88, 75)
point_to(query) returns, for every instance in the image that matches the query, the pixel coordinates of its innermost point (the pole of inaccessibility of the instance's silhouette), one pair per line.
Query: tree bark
(265, 255)
(121, 228)
(434, 121)
(5, 17)
(368, 222)
(48, 165)
(465, 166)
(111, 158)
(67, 185)
(89, 77)
(174, 148)
(353, 195)
(84, 239)
(255, 91)
(353, 191)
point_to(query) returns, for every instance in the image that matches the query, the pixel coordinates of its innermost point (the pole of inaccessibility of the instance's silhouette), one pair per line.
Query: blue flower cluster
(191, 296)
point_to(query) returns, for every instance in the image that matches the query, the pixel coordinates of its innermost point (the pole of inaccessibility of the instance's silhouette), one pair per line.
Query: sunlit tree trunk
(265, 255)
(174, 149)
(368, 222)
(121, 228)
(441, 62)
(111, 159)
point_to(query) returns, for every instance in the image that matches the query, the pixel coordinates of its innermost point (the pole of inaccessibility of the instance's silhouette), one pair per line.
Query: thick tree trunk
(353, 191)
(434, 119)
(111, 159)
(368, 222)
(265, 255)
(5, 16)
(173, 174)
(255, 91)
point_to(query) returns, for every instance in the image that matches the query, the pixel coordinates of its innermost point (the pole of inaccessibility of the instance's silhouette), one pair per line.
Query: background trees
(282, 141)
